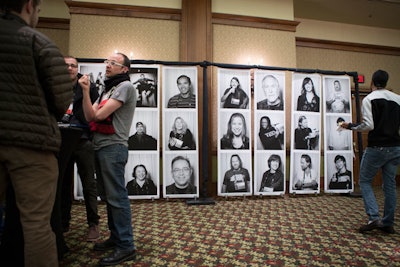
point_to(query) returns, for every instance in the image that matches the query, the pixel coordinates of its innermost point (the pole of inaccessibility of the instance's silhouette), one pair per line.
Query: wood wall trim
(53, 23)
(101, 9)
(254, 22)
(345, 46)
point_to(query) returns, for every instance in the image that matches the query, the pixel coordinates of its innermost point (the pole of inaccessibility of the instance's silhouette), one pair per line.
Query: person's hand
(343, 125)
(232, 91)
(84, 82)
(172, 141)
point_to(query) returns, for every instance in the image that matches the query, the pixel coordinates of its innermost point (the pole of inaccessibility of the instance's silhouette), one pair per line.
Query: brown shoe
(93, 233)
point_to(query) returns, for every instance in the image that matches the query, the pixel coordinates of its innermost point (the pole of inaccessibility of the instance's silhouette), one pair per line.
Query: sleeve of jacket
(53, 76)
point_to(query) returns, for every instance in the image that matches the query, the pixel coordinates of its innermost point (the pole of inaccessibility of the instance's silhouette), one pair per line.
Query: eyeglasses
(113, 63)
(185, 170)
(72, 66)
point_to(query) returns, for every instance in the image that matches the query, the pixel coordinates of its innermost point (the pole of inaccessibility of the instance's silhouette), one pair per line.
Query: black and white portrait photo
(96, 72)
(306, 131)
(337, 94)
(142, 177)
(339, 172)
(144, 131)
(269, 173)
(234, 88)
(306, 90)
(269, 90)
(234, 130)
(181, 178)
(180, 87)
(305, 172)
(180, 130)
(235, 174)
(270, 131)
(337, 138)
(145, 79)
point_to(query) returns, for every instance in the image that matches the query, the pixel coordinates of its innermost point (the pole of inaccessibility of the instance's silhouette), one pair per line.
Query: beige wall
(59, 37)
(99, 36)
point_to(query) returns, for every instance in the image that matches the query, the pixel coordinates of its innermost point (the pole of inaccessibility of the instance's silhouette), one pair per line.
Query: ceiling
(374, 13)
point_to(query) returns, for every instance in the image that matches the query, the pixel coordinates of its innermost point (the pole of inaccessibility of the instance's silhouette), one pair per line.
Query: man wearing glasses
(110, 118)
(83, 155)
(182, 174)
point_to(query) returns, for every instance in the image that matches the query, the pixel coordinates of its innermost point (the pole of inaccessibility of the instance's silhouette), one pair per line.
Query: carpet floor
(293, 230)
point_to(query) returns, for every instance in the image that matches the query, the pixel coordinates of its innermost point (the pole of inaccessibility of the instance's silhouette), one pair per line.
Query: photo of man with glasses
(182, 175)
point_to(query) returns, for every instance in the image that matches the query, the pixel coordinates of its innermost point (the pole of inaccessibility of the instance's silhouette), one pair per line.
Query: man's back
(35, 86)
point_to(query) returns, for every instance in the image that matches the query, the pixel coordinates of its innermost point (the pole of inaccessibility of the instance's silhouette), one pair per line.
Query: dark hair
(16, 5)
(268, 120)
(305, 81)
(301, 119)
(127, 62)
(274, 157)
(340, 157)
(137, 166)
(380, 78)
(340, 119)
(184, 76)
(180, 158)
(307, 158)
(240, 160)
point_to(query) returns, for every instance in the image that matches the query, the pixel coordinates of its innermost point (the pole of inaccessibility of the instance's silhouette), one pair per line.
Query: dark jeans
(83, 155)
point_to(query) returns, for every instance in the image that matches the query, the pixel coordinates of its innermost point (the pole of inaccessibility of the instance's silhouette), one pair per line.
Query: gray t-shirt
(122, 117)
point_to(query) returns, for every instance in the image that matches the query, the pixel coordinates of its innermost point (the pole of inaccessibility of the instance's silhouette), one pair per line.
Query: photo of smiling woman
(236, 135)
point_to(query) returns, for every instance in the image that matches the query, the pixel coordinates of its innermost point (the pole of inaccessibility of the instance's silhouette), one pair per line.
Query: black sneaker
(118, 256)
(388, 229)
(103, 246)
(375, 224)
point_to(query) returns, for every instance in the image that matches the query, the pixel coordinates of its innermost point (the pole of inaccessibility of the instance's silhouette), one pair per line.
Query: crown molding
(86, 8)
(53, 23)
(346, 46)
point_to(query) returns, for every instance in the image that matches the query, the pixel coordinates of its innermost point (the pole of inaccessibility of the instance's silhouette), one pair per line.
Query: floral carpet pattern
(293, 230)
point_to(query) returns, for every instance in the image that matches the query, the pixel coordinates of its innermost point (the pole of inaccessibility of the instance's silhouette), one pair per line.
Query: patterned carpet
(318, 230)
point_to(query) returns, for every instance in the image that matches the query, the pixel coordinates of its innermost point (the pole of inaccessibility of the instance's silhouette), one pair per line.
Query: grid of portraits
(305, 134)
(180, 132)
(269, 133)
(234, 133)
(242, 128)
(338, 160)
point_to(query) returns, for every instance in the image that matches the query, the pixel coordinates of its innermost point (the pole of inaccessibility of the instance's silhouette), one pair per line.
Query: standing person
(235, 96)
(185, 98)
(273, 93)
(83, 155)
(308, 99)
(341, 179)
(306, 179)
(111, 118)
(237, 178)
(146, 92)
(381, 118)
(35, 90)
(272, 180)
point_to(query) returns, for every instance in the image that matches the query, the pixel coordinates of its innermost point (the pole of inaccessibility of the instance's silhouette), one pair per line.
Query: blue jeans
(387, 159)
(110, 171)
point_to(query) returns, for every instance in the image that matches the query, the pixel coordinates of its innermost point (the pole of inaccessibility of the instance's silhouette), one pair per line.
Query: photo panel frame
(149, 120)
(306, 131)
(269, 130)
(306, 92)
(178, 182)
(337, 94)
(235, 173)
(270, 173)
(234, 89)
(142, 175)
(176, 119)
(146, 80)
(269, 90)
(305, 172)
(172, 97)
(338, 173)
(337, 138)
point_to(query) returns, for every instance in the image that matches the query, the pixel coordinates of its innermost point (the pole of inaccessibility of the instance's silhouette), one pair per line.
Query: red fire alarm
(361, 78)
